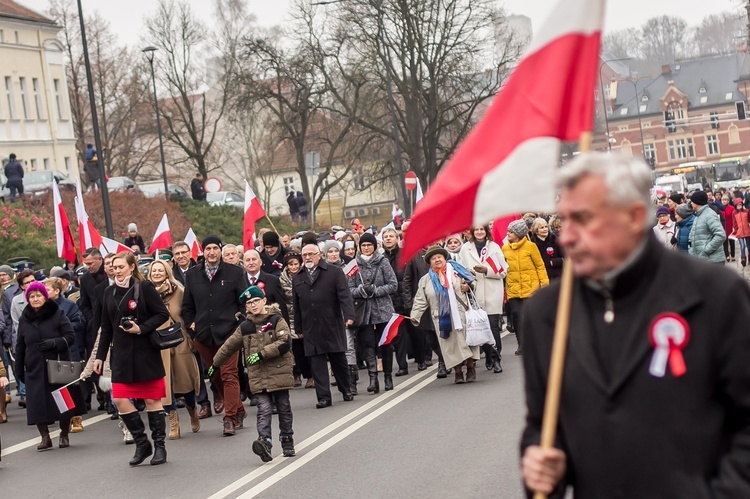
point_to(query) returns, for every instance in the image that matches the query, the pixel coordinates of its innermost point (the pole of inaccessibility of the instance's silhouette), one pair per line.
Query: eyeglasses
(309, 255)
(180, 253)
(255, 301)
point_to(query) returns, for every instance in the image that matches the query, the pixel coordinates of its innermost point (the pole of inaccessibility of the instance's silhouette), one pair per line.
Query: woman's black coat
(133, 357)
(49, 322)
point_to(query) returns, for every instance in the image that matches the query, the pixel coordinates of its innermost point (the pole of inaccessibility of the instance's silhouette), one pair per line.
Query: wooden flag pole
(272, 225)
(559, 345)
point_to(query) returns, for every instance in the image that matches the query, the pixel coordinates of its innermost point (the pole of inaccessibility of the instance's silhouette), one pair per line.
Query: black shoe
(388, 382)
(402, 372)
(262, 448)
(348, 397)
(442, 371)
(287, 445)
(240, 421)
(496, 367)
(519, 351)
(322, 404)
(421, 366)
(143, 448)
(243, 396)
(428, 363)
(158, 425)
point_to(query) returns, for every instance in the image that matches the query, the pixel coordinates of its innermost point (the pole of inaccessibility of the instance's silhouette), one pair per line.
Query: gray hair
(227, 247)
(536, 223)
(389, 229)
(628, 180)
(250, 252)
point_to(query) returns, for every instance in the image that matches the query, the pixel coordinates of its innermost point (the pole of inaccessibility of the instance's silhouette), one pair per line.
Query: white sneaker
(127, 437)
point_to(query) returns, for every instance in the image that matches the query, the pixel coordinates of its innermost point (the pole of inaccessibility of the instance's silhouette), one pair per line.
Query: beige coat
(179, 362)
(488, 287)
(454, 348)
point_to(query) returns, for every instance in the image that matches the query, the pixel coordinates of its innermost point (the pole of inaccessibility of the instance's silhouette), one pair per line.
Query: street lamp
(604, 102)
(95, 126)
(638, 111)
(149, 51)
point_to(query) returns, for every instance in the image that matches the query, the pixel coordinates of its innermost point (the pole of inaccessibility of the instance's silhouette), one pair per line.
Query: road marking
(265, 468)
(35, 441)
(298, 463)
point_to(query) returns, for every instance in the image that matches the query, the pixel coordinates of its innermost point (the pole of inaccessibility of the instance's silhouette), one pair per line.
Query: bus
(728, 172)
(696, 172)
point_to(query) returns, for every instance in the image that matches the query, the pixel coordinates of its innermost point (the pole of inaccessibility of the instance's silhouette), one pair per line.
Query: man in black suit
(267, 282)
(181, 260)
(655, 400)
(92, 259)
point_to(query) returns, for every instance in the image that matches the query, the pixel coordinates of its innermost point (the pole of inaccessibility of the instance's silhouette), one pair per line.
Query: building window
(11, 100)
(37, 99)
(644, 98)
(624, 111)
(18, 39)
(288, 185)
(679, 114)
(729, 96)
(58, 98)
(681, 149)
(358, 178)
(642, 109)
(704, 99)
(46, 163)
(24, 97)
(606, 92)
(649, 151)
(2, 36)
(67, 164)
(622, 128)
(712, 145)
(33, 165)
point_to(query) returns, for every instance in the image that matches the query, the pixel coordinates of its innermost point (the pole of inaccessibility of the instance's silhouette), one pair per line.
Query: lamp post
(604, 102)
(95, 126)
(149, 51)
(638, 112)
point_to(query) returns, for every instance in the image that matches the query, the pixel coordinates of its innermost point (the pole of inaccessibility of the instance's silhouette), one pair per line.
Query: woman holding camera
(131, 311)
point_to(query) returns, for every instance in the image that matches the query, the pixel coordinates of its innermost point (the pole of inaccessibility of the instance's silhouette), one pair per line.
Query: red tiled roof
(13, 10)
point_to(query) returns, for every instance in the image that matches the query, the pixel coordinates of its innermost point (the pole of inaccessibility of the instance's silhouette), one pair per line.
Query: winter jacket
(292, 202)
(526, 271)
(729, 219)
(683, 233)
(266, 334)
(273, 264)
(707, 236)
(302, 204)
(7, 332)
(396, 298)
(378, 272)
(75, 316)
(488, 287)
(665, 233)
(741, 223)
(551, 254)
(135, 241)
(13, 171)
(196, 190)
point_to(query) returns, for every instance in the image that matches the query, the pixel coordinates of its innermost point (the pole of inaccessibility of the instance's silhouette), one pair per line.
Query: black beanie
(271, 239)
(368, 238)
(700, 198)
(677, 198)
(212, 239)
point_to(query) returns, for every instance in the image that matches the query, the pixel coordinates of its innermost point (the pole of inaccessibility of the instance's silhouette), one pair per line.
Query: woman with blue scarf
(443, 291)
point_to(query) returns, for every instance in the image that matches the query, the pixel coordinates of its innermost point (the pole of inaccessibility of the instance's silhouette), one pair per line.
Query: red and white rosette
(669, 334)
(132, 304)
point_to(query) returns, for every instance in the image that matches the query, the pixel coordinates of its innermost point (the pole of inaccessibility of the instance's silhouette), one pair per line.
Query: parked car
(40, 181)
(156, 189)
(122, 184)
(226, 198)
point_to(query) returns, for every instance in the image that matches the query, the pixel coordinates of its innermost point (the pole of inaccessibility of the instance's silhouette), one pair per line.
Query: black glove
(673, 241)
(46, 345)
(369, 289)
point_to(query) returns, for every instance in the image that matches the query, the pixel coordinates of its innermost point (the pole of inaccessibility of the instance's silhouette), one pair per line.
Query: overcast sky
(127, 16)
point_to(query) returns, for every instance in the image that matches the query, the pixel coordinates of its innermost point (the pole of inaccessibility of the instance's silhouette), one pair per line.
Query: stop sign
(410, 179)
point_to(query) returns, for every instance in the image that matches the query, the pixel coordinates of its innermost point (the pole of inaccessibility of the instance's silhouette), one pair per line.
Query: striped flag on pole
(391, 329)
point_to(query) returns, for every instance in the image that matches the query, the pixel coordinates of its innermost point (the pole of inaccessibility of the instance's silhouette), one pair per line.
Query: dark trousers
(496, 326)
(226, 379)
(265, 413)
(515, 305)
(433, 345)
(369, 336)
(410, 340)
(15, 187)
(301, 363)
(319, 368)
(729, 248)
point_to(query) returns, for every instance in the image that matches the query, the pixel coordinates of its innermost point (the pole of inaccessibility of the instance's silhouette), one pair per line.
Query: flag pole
(559, 345)
(272, 225)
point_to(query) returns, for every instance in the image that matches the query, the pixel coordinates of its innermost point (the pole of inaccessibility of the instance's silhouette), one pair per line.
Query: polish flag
(88, 236)
(63, 399)
(253, 213)
(515, 148)
(111, 246)
(496, 261)
(394, 214)
(418, 196)
(66, 247)
(195, 246)
(351, 268)
(163, 238)
(391, 329)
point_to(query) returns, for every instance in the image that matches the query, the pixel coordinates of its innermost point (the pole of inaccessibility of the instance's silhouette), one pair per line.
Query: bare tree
(720, 34)
(664, 39)
(622, 43)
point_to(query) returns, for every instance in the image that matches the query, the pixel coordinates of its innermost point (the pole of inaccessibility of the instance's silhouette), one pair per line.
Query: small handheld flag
(63, 399)
(391, 329)
(351, 268)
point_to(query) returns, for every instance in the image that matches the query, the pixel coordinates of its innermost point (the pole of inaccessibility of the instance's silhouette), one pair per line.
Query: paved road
(427, 438)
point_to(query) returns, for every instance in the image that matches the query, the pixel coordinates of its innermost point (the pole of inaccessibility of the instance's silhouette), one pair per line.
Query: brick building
(687, 113)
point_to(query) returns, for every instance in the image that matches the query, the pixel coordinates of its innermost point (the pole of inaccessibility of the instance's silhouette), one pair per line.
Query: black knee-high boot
(372, 370)
(158, 424)
(143, 449)
(353, 379)
(387, 352)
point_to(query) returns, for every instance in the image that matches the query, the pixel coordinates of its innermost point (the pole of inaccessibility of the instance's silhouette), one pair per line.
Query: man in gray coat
(707, 235)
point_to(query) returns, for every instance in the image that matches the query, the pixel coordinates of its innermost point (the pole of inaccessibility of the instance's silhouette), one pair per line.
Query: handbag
(478, 331)
(63, 372)
(360, 308)
(168, 337)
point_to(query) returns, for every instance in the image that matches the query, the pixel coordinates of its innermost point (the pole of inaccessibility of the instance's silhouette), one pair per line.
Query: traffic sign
(410, 179)
(312, 164)
(212, 184)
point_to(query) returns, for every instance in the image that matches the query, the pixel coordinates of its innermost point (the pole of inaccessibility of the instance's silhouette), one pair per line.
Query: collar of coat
(47, 310)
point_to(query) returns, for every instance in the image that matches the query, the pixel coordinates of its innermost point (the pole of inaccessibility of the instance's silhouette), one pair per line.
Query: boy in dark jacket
(267, 341)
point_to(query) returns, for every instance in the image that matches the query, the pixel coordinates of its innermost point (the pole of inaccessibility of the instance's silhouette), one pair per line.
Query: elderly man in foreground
(655, 399)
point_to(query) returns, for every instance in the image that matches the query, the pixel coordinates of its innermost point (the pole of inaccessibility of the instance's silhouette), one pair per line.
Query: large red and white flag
(253, 212)
(195, 246)
(163, 238)
(66, 246)
(63, 399)
(111, 246)
(507, 163)
(391, 329)
(88, 236)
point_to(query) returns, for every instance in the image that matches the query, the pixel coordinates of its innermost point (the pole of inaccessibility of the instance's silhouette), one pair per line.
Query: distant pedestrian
(302, 205)
(90, 153)
(196, 188)
(291, 200)
(134, 240)
(707, 234)
(14, 177)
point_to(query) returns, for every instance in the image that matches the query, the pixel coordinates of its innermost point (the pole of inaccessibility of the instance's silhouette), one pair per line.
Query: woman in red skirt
(131, 311)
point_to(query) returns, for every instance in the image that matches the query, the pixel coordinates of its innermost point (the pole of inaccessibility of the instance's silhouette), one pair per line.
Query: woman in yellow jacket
(526, 273)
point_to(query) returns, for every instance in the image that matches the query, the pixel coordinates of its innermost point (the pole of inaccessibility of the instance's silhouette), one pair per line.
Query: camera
(127, 322)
